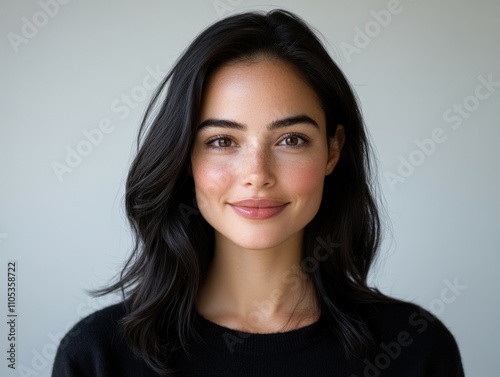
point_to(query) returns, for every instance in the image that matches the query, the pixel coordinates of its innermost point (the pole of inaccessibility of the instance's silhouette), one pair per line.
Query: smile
(258, 208)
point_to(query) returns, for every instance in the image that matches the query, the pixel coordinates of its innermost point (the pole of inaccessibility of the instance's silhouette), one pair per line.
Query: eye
(220, 142)
(294, 140)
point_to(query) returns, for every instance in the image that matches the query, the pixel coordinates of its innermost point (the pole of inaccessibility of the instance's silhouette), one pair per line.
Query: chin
(258, 246)
(259, 241)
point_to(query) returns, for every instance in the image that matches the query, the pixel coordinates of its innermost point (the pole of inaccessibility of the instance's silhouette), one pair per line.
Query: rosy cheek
(305, 178)
(212, 181)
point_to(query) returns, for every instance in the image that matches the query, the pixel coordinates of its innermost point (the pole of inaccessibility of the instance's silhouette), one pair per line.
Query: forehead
(264, 89)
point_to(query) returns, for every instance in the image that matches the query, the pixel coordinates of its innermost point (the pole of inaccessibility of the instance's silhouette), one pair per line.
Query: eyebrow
(275, 124)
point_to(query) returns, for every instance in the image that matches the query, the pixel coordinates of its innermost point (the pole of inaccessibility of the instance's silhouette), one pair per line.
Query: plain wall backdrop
(427, 74)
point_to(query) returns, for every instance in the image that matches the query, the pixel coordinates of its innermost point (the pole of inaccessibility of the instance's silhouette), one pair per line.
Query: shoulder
(98, 329)
(405, 317)
(95, 346)
(407, 332)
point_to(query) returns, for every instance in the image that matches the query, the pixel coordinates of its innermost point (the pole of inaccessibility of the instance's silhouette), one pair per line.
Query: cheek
(305, 178)
(211, 181)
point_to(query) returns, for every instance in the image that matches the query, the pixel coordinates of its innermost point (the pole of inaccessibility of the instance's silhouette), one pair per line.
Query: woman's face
(261, 135)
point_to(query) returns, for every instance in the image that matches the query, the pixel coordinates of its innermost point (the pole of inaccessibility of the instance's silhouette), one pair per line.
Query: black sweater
(412, 343)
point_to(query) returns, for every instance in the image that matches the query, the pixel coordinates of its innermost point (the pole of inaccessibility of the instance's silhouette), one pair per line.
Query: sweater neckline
(234, 341)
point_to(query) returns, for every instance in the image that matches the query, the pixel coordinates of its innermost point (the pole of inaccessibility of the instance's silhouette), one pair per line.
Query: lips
(258, 209)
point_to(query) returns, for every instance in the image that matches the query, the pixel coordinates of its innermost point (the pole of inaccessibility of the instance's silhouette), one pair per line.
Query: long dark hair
(174, 244)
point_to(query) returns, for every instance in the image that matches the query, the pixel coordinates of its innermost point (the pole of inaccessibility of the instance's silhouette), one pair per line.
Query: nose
(257, 168)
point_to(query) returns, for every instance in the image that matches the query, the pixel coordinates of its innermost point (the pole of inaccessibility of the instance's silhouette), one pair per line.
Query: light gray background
(70, 73)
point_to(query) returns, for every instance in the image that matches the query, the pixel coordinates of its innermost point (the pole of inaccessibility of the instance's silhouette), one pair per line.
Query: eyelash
(305, 141)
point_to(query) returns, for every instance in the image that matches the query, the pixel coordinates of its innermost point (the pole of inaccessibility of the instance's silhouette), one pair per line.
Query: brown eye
(292, 140)
(223, 142)
(220, 143)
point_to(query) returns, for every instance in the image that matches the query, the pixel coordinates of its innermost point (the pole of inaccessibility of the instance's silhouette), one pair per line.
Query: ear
(335, 143)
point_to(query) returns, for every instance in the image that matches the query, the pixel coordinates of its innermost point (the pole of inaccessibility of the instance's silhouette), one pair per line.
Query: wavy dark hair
(174, 244)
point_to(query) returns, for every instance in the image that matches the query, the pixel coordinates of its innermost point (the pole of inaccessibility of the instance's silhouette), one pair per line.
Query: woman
(256, 225)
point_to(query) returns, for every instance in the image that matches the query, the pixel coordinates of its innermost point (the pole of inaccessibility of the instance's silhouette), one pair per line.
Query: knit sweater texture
(411, 343)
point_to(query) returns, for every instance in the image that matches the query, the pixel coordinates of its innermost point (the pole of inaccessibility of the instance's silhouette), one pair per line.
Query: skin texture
(249, 284)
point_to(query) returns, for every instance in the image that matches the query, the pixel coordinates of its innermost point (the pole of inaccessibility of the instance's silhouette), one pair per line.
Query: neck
(257, 290)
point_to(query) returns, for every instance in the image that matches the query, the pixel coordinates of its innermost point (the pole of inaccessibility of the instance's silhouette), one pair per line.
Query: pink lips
(258, 208)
